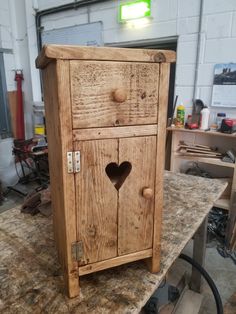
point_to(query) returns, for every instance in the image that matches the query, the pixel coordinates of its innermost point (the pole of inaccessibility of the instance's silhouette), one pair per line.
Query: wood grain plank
(117, 132)
(113, 262)
(160, 163)
(50, 52)
(93, 85)
(96, 200)
(189, 303)
(12, 103)
(135, 218)
(59, 132)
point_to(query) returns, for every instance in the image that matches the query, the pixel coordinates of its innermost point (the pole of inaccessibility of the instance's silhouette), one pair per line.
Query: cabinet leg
(154, 263)
(72, 284)
(199, 250)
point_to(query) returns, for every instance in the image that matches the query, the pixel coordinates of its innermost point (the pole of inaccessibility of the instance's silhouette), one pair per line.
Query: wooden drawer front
(113, 93)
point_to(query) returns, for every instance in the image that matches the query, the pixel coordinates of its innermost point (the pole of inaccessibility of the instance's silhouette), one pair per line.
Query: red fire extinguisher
(20, 127)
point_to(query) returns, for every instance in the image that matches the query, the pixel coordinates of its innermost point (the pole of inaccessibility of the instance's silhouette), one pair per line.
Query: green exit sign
(134, 10)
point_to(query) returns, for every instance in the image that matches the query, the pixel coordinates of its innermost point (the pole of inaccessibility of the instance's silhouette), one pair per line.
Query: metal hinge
(77, 251)
(73, 162)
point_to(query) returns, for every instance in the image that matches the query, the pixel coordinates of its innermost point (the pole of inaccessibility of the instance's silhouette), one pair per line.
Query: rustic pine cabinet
(106, 117)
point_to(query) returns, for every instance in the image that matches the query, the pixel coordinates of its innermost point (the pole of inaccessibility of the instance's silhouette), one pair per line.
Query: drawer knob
(119, 95)
(147, 193)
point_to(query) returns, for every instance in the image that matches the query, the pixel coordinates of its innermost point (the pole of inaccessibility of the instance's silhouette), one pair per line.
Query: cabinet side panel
(96, 200)
(59, 134)
(160, 163)
(54, 153)
(136, 212)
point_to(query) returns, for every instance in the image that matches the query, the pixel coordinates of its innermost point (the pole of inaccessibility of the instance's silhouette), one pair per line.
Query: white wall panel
(185, 74)
(233, 30)
(164, 10)
(108, 16)
(188, 25)
(220, 50)
(187, 8)
(186, 52)
(219, 6)
(219, 25)
(205, 74)
(46, 4)
(4, 5)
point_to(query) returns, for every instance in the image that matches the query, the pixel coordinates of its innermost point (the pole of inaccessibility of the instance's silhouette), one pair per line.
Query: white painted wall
(170, 18)
(14, 36)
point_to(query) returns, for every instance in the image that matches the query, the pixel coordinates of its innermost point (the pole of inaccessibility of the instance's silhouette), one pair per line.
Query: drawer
(109, 93)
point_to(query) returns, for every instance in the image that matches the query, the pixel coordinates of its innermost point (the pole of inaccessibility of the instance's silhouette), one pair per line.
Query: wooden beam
(199, 252)
(50, 52)
(114, 132)
(154, 264)
(116, 261)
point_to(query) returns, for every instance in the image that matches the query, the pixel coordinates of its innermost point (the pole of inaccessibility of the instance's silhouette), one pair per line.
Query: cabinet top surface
(66, 52)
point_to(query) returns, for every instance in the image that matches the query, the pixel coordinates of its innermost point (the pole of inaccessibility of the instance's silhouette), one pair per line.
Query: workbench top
(30, 277)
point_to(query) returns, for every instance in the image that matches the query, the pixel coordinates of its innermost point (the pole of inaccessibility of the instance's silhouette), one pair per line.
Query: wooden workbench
(30, 276)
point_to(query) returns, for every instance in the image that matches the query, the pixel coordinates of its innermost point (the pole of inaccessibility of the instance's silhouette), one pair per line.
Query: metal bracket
(70, 162)
(73, 162)
(77, 161)
(77, 251)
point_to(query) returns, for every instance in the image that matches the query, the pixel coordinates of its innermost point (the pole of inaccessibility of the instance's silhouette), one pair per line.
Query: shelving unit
(223, 203)
(218, 168)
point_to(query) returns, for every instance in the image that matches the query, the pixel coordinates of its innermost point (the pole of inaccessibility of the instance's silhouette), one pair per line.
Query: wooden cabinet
(106, 117)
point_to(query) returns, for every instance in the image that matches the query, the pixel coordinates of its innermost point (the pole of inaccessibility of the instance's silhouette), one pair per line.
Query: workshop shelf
(210, 161)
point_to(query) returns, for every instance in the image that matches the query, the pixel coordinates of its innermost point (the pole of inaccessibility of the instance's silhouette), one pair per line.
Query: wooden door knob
(147, 193)
(119, 95)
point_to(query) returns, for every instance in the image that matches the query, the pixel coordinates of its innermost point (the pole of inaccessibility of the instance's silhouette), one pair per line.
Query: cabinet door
(109, 93)
(135, 213)
(96, 200)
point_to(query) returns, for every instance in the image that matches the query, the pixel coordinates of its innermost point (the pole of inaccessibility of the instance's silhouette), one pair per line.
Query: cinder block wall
(170, 18)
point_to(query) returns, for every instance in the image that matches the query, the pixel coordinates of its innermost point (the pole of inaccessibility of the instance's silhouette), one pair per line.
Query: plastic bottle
(219, 118)
(205, 115)
(180, 116)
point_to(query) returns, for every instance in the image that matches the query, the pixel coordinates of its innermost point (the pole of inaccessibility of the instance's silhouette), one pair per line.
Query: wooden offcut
(106, 111)
(12, 103)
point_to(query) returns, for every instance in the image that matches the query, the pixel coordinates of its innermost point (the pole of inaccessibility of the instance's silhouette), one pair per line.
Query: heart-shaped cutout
(118, 173)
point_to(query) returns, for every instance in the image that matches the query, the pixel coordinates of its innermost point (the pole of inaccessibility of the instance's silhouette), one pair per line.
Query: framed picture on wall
(224, 85)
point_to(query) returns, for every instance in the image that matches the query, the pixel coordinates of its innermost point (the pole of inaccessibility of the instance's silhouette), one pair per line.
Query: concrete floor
(222, 270)
(13, 199)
